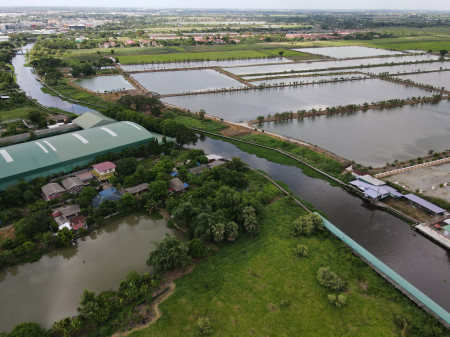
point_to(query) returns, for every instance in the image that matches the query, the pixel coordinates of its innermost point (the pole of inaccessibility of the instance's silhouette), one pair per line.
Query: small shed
(135, 190)
(422, 203)
(216, 163)
(85, 176)
(176, 185)
(198, 169)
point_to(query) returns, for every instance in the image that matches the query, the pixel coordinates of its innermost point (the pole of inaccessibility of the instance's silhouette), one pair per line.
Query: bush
(28, 329)
(300, 251)
(197, 248)
(338, 301)
(307, 225)
(204, 326)
(329, 279)
(169, 254)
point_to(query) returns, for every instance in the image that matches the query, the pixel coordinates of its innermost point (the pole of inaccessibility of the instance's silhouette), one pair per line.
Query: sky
(250, 4)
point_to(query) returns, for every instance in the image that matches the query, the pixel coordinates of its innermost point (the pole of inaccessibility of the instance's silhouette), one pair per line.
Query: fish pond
(249, 104)
(310, 66)
(201, 64)
(437, 79)
(309, 79)
(104, 83)
(375, 137)
(348, 51)
(175, 82)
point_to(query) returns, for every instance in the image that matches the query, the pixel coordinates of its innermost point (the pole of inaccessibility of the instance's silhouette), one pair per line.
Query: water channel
(28, 83)
(420, 261)
(50, 289)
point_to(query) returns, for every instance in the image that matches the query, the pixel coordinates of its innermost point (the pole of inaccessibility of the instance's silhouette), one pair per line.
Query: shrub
(329, 279)
(300, 251)
(197, 248)
(338, 301)
(204, 326)
(307, 225)
(169, 254)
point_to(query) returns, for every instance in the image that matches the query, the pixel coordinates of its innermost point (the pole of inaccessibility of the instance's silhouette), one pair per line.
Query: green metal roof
(91, 119)
(63, 152)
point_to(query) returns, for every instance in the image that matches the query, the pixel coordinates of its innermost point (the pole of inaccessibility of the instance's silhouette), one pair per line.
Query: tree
(307, 225)
(87, 70)
(126, 166)
(127, 202)
(53, 76)
(169, 254)
(202, 114)
(338, 301)
(218, 231)
(28, 329)
(157, 189)
(231, 230)
(64, 237)
(260, 119)
(76, 71)
(300, 251)
(86, 195)
(281, 53)
(30, 227)
(443, 52)
(250, 222)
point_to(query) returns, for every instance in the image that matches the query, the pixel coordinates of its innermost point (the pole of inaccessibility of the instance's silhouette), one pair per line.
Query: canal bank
(418, 260)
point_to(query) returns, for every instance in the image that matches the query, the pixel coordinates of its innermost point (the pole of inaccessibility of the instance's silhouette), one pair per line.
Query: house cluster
(375, 189)
(68, 217)
(213, 161)
(75, 184)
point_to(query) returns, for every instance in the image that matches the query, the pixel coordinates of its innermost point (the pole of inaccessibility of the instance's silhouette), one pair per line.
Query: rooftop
(426, 204)
(71, 182)
(137, 188)
(177, 185)
(106, 165)
(52, 188)
(91, 119)
(371, 180)
(68, 210)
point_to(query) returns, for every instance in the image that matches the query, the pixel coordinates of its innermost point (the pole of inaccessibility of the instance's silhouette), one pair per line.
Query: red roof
(77, 222)
(107, 165)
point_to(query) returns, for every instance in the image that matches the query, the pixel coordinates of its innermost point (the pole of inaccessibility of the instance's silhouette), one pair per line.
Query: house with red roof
(103, 171)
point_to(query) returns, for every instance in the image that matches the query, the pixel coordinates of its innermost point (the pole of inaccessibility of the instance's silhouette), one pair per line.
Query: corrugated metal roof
(424, 203)
(92, 119)
(21, 160)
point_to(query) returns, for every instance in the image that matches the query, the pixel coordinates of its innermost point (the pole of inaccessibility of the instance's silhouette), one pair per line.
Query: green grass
(21, 112)
(257, 287)
(194, 122)
(76, 94)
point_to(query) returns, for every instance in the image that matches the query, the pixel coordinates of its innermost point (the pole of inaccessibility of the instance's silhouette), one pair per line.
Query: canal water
(420, 261)
(50, 289)
(28, 83)
(349, 51)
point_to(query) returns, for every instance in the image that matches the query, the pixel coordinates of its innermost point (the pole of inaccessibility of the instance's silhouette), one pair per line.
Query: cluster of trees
(85, 70)
(95, 310)
(6, 52)
(142, 103)
(307, 225)
(166, 126)
(48, 67)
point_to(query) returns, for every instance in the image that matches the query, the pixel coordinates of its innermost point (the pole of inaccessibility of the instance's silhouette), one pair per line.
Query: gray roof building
(137, 189)
(52, 188)
(177, 185)
(198, 169)
(72, 182)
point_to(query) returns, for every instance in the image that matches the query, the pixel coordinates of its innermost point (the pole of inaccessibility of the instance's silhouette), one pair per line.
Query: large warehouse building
(63, 153)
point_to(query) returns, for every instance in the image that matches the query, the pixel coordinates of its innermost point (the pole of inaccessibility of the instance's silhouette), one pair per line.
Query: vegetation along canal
(100, 261)
(420, 261)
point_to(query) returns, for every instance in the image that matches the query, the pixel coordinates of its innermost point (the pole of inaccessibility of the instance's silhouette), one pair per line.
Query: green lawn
(22, 112)
(257, 287)
(207, 125)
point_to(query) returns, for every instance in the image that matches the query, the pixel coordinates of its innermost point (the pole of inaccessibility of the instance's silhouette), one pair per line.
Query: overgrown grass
(17, 113)
(77, 94)
(258, 287)
(195, 122)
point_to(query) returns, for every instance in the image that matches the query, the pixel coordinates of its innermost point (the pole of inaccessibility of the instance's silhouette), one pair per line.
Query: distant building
(73, 184)
(92, 119)
(198, 169)
(425, 205)
(103, 170)
(136, 190)
(52, 191)
(216, 163)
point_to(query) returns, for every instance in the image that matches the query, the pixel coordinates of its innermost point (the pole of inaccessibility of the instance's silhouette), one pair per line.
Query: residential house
(109, 194)
(52, 191)
(136, 190)
(73, 185)
(198, 169)
(85, 176)
(103, 171)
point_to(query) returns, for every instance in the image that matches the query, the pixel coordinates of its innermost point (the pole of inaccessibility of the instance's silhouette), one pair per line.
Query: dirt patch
(7, 232)
(236, 131)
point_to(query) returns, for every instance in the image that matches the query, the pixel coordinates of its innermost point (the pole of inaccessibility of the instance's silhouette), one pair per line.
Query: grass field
(208, 124)
(76, 94)
(22, 112)
(256, 287)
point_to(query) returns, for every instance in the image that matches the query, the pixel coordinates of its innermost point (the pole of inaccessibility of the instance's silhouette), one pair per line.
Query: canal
(50, 289)
(420, 261)
(27, 82)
